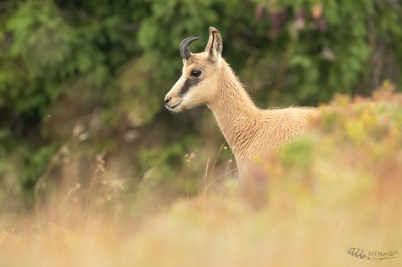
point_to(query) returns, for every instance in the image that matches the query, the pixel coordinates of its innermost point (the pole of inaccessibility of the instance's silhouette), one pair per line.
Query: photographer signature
(371, 255)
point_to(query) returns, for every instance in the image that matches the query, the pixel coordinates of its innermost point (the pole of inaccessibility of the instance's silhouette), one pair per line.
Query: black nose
(167, 99)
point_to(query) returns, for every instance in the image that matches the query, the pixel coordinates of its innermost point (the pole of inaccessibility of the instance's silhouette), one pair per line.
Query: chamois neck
(233, 108)
(232, 96)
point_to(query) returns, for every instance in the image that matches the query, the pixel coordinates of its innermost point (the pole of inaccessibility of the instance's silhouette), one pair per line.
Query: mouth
(174, 106)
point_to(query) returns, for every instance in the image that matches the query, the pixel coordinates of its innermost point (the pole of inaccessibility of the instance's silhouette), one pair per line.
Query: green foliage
(106, 65)
(298, 153)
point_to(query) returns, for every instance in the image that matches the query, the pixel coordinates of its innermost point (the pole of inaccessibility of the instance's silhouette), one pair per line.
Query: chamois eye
(195, 73)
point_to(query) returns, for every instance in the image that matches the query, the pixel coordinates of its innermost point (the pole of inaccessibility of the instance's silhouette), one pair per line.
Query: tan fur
(250, 132)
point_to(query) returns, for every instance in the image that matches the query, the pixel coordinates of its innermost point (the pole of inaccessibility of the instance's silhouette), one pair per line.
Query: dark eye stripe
(187, 85)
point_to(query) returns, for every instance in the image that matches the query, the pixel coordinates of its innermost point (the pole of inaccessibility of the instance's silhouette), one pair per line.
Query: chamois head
(198, 83)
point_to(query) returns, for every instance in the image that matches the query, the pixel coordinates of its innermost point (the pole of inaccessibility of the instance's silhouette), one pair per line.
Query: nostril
(167, 99)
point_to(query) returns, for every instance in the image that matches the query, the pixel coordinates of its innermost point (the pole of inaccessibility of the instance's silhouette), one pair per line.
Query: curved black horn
(184, 47)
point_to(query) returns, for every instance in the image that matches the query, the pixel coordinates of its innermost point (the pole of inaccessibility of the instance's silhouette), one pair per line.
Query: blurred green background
(78, 78)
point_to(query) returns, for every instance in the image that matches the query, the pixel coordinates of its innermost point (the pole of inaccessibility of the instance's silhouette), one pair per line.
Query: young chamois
(250, 132)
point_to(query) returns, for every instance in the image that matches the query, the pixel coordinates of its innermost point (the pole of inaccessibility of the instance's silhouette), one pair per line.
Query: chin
(179, 108)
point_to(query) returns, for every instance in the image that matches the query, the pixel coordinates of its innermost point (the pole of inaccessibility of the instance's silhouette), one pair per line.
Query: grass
(333, 189)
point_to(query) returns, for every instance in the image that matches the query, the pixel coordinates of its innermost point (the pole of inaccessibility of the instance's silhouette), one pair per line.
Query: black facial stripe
(187, 85)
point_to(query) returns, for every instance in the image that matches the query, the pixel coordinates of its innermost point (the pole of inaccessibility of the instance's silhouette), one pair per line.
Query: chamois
(250, 132)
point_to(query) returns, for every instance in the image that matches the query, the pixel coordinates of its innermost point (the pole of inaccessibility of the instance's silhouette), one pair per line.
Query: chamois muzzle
(185, 47)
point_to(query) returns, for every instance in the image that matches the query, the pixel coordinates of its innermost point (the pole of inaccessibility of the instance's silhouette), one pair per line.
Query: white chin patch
(175, 107)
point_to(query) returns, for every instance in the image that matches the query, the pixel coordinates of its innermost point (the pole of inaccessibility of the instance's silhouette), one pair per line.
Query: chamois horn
(185, 47)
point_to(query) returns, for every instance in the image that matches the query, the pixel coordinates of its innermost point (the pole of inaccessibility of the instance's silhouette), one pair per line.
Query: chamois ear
(215, 45)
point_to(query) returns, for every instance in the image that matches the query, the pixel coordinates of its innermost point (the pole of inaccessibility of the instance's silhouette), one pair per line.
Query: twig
(216, 159)
(213, 181)
(205, 178)
(40, 183)
(99, 168)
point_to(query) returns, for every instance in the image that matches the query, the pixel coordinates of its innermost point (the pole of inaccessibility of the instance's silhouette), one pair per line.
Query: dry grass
(336, 188)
